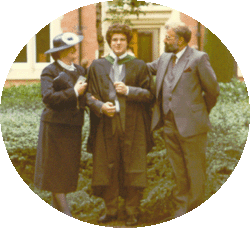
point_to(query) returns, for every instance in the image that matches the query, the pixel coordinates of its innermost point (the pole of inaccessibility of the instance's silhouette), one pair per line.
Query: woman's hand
(80, 87)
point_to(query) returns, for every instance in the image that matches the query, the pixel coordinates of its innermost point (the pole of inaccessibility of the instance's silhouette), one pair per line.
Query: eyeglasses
(169, 38)
(117, 39)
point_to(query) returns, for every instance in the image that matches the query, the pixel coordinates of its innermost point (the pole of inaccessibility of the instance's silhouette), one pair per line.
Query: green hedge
(20, 116)
(22, 97)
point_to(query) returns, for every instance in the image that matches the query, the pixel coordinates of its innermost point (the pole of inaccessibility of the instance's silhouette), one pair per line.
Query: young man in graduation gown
(119, 98)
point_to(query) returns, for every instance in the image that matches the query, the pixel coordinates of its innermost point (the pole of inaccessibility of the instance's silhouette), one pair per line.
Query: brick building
(31, 60)
(148, 31)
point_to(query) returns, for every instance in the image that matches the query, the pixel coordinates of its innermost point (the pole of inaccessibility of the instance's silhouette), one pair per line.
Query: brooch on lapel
(188, 70)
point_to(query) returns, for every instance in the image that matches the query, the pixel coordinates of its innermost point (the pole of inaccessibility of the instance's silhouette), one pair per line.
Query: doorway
(145, 44)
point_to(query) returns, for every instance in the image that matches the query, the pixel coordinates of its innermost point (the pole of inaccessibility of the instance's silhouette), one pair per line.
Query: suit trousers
(111, 192)
(188, 160)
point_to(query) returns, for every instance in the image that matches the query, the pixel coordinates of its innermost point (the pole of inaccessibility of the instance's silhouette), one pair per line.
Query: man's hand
(121, 88)
(94, 98)
(80, 87)
(108, 109)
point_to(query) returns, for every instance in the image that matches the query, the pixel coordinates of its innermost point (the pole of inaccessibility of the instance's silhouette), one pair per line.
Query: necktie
(170, 74)
(174, 57)
(116, 79)
(168, 84)
(116, 70)
(121, 99)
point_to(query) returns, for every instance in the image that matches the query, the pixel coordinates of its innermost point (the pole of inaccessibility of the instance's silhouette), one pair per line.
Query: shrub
(230, 129)
(22, 97)
(233, 91)
(20, 131)
(20, 116)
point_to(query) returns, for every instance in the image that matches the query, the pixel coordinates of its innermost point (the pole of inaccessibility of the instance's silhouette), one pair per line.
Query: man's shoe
(131, 220)
(167, 219)
(107, 218)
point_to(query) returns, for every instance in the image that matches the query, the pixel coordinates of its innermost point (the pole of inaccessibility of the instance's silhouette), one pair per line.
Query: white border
(229, 207)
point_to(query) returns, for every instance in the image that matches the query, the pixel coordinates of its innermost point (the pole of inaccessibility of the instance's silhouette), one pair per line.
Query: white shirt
(113, 55)
(66, 66)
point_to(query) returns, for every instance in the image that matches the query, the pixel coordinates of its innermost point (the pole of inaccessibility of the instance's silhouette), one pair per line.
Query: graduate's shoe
(107, 218)
(131, 220)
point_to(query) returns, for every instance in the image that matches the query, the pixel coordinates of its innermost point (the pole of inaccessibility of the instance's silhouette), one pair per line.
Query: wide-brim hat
(64, 41)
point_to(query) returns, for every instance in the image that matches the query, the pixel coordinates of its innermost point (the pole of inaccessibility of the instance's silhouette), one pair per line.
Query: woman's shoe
(107, 218)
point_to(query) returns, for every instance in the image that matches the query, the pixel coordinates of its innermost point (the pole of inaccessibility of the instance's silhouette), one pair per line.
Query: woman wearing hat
(59, 141)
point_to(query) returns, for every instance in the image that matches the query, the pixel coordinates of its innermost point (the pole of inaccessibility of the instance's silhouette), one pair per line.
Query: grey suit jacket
(194, 92)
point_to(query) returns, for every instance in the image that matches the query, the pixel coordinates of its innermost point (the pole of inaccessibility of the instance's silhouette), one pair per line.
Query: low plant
(20, 118)
(22, 97)
(233, 91)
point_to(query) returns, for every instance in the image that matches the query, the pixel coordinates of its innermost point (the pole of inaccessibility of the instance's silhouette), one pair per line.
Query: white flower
(70, 38)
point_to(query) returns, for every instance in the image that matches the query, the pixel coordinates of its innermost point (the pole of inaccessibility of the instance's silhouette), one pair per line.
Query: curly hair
(181, 30)
(118, 28)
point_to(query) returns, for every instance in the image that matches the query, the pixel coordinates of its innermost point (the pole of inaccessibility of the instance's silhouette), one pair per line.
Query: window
(22, 56)
(43, 44)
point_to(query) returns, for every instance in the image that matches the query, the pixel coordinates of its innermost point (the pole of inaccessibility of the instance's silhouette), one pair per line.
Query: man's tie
(174, 57)
(121, 99)
(170, 74)
(116, 78)
(116, 70)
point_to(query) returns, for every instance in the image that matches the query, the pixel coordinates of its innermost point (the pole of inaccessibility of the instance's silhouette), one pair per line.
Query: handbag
(62, 81)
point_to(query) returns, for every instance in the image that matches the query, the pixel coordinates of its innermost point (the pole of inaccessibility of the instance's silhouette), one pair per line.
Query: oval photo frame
(217, 209)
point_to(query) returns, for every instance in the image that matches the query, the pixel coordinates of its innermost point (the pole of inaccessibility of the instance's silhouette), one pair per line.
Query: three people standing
(120, 94)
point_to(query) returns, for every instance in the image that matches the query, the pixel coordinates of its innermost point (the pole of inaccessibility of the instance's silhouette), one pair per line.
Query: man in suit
(119, 98)
(186, 91)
